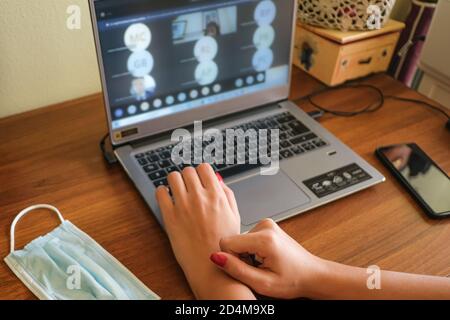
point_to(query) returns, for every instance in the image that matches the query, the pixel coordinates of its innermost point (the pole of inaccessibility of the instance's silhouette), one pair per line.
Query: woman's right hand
(287, 271)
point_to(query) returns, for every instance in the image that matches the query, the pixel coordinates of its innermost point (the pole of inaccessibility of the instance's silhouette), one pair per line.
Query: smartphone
(428, 184)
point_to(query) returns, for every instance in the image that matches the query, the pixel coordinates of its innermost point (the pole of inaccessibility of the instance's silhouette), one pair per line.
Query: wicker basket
(345, 15)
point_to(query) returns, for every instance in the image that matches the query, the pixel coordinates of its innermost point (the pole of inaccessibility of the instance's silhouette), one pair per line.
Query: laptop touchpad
(261, 197)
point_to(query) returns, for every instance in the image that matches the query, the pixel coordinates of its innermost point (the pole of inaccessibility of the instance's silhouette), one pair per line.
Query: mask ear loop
(24, 212)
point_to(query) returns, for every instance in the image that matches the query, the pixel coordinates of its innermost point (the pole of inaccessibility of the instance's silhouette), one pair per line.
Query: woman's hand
(287, 270)
(201, 211)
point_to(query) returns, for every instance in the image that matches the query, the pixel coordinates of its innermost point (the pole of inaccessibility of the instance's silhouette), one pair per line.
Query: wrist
(335, 280)
(209, 282)
(200, 278)
(316, 282)
(196, 262)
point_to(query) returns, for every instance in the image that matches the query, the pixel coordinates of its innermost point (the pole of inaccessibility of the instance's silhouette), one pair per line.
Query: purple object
(404, 67)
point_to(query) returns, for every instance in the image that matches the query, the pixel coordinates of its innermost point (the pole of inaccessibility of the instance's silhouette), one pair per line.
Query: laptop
(166, 64)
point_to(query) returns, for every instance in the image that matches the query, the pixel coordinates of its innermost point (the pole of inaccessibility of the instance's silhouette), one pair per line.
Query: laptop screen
(165, 57)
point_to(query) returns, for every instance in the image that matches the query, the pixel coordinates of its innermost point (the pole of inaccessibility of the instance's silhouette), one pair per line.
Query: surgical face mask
(67, 264)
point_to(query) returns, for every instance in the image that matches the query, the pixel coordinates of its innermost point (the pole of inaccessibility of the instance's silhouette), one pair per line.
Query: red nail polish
(218, 259)
(219, 177)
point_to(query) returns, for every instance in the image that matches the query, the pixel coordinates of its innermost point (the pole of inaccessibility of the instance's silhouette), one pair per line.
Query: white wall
(401, 9)
(42, 62)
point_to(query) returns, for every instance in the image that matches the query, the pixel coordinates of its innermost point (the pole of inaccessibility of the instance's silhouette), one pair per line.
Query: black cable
(316, 114)
(109, 156)
(103, 143)
(368, 109)
(420, 102)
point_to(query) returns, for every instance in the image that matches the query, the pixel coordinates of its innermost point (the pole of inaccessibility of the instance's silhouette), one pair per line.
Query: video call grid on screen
(162, 57)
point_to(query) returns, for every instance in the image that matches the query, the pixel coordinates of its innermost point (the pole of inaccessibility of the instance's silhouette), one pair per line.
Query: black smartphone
(421, 176)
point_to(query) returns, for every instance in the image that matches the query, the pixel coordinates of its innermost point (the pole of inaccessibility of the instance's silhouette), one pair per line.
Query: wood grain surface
(51, 155)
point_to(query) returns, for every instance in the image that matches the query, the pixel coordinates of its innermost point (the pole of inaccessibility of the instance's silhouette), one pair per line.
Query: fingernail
(219, 177)
(218, 259)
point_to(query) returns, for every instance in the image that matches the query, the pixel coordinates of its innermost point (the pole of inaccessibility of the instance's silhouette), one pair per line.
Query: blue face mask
(67, 264)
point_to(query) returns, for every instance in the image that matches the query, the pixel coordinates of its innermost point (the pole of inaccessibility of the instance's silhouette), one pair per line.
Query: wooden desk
(52, 156)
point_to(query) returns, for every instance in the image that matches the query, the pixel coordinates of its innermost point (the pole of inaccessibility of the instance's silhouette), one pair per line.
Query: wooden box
(334, 56)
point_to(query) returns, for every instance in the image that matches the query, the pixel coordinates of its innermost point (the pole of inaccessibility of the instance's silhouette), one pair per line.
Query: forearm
(343, 282)
(213, 284)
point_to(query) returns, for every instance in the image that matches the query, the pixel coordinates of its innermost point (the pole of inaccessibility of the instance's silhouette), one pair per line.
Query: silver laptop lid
(165, 64)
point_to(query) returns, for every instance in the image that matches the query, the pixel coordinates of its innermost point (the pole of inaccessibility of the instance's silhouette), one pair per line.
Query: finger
(191, 180)
(258, 279)
(231, 198)
(207, 176)
(177, 186)
(164, 201)
(244, 243)
(264, 225)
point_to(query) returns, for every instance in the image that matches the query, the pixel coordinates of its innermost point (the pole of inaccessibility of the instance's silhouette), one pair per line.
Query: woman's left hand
(201, 211)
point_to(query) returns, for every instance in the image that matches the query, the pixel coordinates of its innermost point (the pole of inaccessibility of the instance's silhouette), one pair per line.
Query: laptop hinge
(163, 135)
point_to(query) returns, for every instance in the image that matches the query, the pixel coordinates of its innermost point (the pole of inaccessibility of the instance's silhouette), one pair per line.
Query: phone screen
(422, 174)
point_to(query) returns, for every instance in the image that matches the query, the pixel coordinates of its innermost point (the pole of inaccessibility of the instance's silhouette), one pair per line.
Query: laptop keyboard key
(310, 136)
(286, 154)
(319, 143)
(285, 144)
(161, 182)
(165, 155)
(172, 169)
(164, 163)
(157, 175)
(153, 158)
(285, 119)
(298, 128)
(232, 171)
(150, 168)
(143, 161)
(183, 165)
(308, 146)
(297, 150)
(303, 138)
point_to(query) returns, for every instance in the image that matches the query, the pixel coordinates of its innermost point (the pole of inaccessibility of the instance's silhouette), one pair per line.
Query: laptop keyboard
(295, 139)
